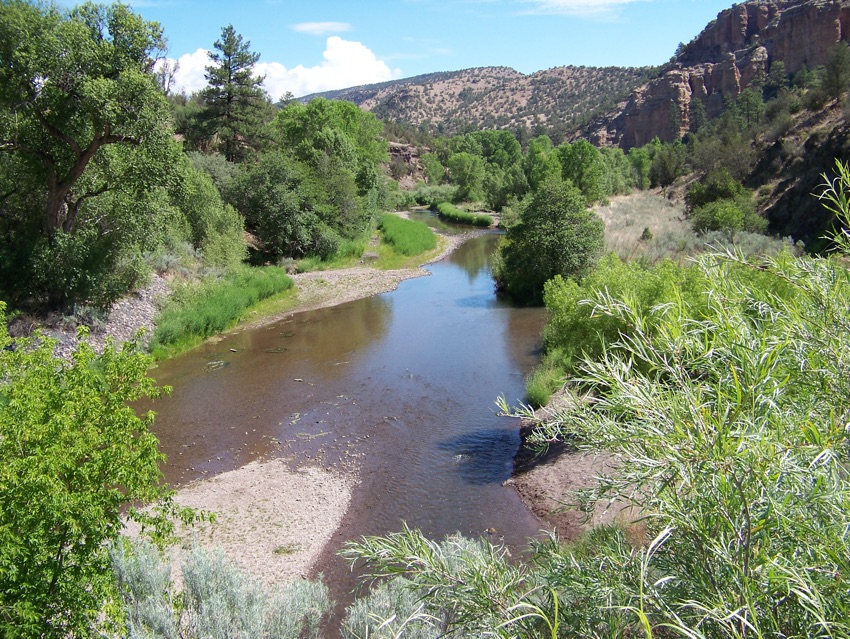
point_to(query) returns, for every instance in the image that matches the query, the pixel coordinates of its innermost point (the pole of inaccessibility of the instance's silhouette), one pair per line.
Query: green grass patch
(543, 381)
(407, 237)
(196, 312)
(453, 214)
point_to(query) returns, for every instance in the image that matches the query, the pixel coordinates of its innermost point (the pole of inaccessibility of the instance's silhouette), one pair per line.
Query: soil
(549, 483)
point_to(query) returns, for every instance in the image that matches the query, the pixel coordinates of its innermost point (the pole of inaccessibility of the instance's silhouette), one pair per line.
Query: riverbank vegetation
(721, 390)
(452, 213)
(195, 312)
(407, 237)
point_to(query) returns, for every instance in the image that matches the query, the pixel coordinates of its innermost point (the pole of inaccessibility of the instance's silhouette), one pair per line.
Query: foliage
(75, 456)
(213, 226)
(836, 80)
(718, 202)
(84, 158)
(583, 165)
(729, 217)
(556, 235)
(575, 330)
(540, 162)
(278, 197)
(408, 237)
(668, 164)
(454, 214)
(235, 104)
(218, 601)
(466, 171)
(196, 312)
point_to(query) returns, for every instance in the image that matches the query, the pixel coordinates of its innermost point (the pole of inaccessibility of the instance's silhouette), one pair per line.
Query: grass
(407, 237)
(197, 312)
(453, 214)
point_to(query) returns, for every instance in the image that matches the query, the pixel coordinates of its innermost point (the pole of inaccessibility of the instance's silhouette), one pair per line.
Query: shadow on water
(483, 456)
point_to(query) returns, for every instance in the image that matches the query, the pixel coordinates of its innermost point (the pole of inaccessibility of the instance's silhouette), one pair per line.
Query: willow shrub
(197, 312)
(731, 432)
(407, 237)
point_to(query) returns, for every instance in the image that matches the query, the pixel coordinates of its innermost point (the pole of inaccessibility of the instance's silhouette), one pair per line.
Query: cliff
(738, 47)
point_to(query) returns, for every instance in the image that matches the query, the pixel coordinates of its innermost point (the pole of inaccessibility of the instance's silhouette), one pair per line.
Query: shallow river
(399, 388)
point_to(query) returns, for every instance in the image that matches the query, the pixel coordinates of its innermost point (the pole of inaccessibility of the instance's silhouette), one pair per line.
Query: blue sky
(316, 45)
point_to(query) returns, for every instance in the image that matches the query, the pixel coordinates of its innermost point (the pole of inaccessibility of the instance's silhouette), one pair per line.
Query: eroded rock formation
(731, 53)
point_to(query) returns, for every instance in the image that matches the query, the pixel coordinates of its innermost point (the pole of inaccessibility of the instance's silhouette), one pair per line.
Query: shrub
(453, 214)
(218, 601)
(408, 237)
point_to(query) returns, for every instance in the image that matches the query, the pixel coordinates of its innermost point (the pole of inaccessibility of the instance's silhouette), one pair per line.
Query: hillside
(733, 52)
(555, 100)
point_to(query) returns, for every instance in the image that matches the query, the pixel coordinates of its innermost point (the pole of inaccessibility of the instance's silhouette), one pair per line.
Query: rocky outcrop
(730, 54)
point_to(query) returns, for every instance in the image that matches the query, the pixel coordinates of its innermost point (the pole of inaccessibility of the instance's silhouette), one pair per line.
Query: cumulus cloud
(321, 28)
(346, 64)
(577, 7)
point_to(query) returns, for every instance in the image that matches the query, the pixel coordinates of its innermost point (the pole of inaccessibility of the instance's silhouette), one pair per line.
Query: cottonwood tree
(236, 105)
(85, 140)
(72, 84)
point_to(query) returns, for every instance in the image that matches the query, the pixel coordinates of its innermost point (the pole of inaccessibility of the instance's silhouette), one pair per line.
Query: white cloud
(346, 64)
(190, 71)
(321, 28)
(577, 7)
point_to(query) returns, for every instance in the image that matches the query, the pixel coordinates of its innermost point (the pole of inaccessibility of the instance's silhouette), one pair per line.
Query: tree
(697, 117)
(235, 102)
(556, 235)
(540, 162)
(582, 164)
(75, 456)
(85, 147)
(467, 172)
(668, 164)
(836, 78)
(71, 85)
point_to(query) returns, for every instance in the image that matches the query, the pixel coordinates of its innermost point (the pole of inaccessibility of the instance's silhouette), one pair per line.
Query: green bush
(198, 312)
(453, 214)
(407, 237)
(555, 235)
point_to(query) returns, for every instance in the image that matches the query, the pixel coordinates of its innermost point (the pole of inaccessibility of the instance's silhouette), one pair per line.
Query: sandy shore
(272, 521)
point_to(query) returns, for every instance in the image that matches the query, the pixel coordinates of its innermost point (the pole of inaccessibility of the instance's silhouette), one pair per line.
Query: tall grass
(407, 237)
(453, 214)
(196, 313)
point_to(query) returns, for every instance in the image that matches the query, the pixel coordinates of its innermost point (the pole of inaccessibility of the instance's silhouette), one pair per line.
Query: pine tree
(235, 100)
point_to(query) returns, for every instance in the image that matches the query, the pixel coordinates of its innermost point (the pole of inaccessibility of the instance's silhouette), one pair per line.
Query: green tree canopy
(556, 235)
(467, 172)
(85, 150)
(540, 162)
(75, 455)
(582, 164)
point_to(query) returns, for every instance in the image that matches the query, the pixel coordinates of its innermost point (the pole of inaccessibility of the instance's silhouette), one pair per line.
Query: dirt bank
(549, 483)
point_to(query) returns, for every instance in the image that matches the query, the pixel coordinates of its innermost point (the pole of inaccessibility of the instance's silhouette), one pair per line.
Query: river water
(399, 388)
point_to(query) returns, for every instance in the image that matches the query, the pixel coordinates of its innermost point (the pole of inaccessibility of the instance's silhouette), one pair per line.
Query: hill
(555, 100)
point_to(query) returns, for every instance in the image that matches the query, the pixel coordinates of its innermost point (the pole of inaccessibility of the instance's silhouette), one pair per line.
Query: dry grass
(627, 216)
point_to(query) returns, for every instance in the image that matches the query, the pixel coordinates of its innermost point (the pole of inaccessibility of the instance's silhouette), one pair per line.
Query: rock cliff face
(731, 52)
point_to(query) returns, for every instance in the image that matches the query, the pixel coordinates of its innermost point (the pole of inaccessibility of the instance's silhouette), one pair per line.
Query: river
(398, 388)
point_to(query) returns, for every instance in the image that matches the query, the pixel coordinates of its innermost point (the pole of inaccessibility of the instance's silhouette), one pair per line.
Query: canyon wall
(730, 53)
